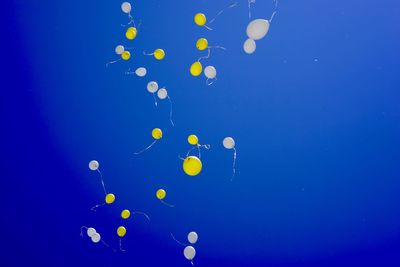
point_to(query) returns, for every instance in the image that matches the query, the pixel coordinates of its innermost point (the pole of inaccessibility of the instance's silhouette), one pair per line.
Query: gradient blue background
(315, 113)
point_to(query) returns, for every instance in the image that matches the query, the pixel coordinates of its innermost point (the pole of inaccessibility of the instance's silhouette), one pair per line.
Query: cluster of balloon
(152, 88)
(121, 51)
(194, 141)
(210, 72)
(156, 133)
(158, 54)
(93, 235)
(189, 251)
(161, 194)
(229, 143)
(256, 30)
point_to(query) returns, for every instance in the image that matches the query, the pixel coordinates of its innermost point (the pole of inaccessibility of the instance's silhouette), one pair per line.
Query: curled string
(143, 150)
(83, 227)
(146, 54)
(112, 62)
(131, 21)
(188, 153)
(94, 208)
(107, 245)
(219, 13)
(120, 245)
(249, 3)
(180, 243)
(170, 111)
(272, 16)
(210, 81)
(167, 204)
(209, 51)
(102, 182)
(128, 72)
(155, 99)
(234, 164)
(142, 213)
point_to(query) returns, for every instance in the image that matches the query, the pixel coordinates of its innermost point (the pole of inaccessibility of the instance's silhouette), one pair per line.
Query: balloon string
(107, 245)
(209, 51)
(155, 100)
(128, 72)
(170, 111)
(112, 62)
(120, 245)
(142, 213)
(167, 204)
(234, 163)
(222, 11)
(102, 182)
(180, 243)
(272, 17)
(146, 54)
(83, 227)
(250, 2)
(192, 262)
(96, 207)
(210, 81)
(179, 157)
(143, 150)
(188, 153)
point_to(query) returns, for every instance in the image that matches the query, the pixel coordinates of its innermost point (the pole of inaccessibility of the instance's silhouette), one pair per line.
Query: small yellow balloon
(200, 19)
(110, 198)
(125, 214)
(131, 33)
(121, 231)
(193, 140)
(156, 133)
(126, 55)
(196, 68)
(192, 166)
(202, 44)
(159, 54)
(161, 194)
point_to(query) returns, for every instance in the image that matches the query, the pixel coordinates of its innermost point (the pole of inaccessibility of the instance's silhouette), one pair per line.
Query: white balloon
(162, 93)
(152, 87)
(192, 237)
(126, 7)
(90, 231)
(96, 238)
(93, 165)
(257, 29)
(228, 143)
(249, 46)
(141, 72)
(119, 49)
(189, 252)
(210, 72)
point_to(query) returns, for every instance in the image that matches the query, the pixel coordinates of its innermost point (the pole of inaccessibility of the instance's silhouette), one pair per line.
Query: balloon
(131, 33)
(249, 46)
(210, 72)
(91, 231)
(125, 214)
(257, 29)
(196, 68)
(156, 133)
(200, 19)
(141, 72)
(162, 93)
(193, 140)
(93, 165)
(152, 87)
(159, 54)
(126, 7)
(228, 142)
(192, 237)
(121, 231)
(202, 44)
(96, 238)
(110, 198)
(119, 49)
(161, 194)
(189, 252)
(192, 165)
(126, 55)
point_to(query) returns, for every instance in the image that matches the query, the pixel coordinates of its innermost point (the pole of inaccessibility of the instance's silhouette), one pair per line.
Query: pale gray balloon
(90, 231)
(93, 165)
(96, 238)
(119, 49)
(126, 7)
(141, 72)
(192, 237)
(228, 142)
(257, 29)
(152, 87)
(189, 252)
(249, 46)
(210, 72)
(162, 93)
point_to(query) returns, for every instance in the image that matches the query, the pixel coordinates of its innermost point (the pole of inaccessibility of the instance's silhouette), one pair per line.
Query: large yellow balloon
(121, 231)
(161, 194)
(110, 198)
(126, 55)
(131, 33)
(159, 54)
(196, 68)
(125, 214)
(156, 133)
(193, 140)
(192, 166)
(202, 44)
(200, 19)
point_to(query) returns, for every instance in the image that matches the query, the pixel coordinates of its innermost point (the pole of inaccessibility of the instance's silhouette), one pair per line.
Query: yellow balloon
(121, 231)
(156, 133)
(110, 198)
(161, 194)
(192, 166)
(200, 19)
(125, 214)
(126, 55)
(202, 44)
(131, 33)
(159, 54)
(193, 140)
(196, 68)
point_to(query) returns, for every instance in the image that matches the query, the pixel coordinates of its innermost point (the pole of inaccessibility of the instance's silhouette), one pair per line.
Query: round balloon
(200, 19)
(131, 33)
(125, 214)
(91, 231)
(121, 231)
(228, 142)
(210, 72)
(161, 194)
(93, 165)
(126, 55)
(110, 198)
(196, 68)
(249, 46)
(126, 7)
(119, 49)
(156, 133)
(96, 238)
(193, 140)
(192, 165)
(202, 44)
(189, 252)
(192, 237)
(257, 29)
(152, 87)
(141, 72)
(162, 93)
(159, 54)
